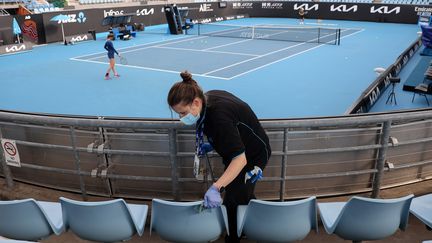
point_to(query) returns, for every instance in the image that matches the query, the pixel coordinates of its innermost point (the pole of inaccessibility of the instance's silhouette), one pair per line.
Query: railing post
(376, 183)
(78, 163)
(6, 170)
(173, 160)
(284, 165)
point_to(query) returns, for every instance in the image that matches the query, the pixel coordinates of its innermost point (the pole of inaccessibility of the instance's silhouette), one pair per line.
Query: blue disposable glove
(254, 175)
(206, 148)
(212, 198)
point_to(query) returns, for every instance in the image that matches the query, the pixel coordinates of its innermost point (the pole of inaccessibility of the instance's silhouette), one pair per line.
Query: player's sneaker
(117, 75)
(107, 77)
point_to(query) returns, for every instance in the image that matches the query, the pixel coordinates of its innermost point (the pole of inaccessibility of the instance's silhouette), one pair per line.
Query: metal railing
(153, 158)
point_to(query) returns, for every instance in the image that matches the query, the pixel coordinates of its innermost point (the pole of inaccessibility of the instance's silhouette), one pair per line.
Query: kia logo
(79, 38)
(343, 8)
(145, 12)
(306, 7)
(385, 10)
(15, 48)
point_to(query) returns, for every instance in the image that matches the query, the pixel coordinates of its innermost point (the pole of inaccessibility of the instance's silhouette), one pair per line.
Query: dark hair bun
(186, 76)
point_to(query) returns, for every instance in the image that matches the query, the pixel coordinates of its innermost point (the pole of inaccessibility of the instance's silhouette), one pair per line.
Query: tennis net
(282, 33)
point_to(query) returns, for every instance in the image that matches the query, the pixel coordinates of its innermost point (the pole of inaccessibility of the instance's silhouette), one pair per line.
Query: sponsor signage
(150, 14)
(425, 11)
(10, 151)
(216, 19)
(74, 18)
(205, 7)
(343, 8)
(78, 38)
(306, 6)
(385, 10)
(271, 5)
(242, 5)
(145, 12)
(112, 12)
(14, 48)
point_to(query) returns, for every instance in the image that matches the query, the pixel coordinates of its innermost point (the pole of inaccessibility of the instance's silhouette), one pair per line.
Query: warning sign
(10, 151)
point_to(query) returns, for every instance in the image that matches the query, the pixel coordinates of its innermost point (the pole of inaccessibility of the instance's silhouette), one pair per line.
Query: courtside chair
(421, 207)
(106, 221)
(265, 221)
(365, 218)
(187, 222)
(29, 219)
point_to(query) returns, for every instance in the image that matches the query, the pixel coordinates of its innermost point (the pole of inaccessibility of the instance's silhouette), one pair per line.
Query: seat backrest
(372, 219)
(106, 221)
(421, 207)
(278, 221)
(184, 222)
(23, 220)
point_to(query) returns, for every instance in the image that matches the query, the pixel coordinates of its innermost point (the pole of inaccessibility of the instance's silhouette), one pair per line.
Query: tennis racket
(123, 60)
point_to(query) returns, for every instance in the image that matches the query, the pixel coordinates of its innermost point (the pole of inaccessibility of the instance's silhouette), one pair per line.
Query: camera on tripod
(394, 80)
(392, 95)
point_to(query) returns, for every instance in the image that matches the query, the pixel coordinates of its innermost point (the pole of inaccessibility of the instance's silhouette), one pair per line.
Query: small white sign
(11, 152)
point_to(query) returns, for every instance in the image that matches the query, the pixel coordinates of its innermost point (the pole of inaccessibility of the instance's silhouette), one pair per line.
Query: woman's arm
(233, 170)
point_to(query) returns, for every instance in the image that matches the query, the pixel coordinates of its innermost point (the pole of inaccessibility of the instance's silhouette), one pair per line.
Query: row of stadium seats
(416, 2)
(99, 1)
(358, 219)
(12, 1)
(45, 7)
(348, 1)
(44, 10)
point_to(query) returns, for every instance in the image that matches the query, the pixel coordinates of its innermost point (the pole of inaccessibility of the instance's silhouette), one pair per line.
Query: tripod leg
(388, 98)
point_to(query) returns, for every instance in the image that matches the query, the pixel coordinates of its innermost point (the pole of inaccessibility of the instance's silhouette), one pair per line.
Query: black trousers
(237, 193)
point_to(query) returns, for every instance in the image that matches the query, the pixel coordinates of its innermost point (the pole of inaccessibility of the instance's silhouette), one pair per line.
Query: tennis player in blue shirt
(111, 50)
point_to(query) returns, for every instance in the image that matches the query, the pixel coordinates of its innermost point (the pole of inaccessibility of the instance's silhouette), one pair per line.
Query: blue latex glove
(212, 198)
(206, 148)
(254, 175)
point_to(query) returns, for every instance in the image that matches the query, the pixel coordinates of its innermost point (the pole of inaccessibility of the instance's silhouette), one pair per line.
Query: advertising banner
(81, 21)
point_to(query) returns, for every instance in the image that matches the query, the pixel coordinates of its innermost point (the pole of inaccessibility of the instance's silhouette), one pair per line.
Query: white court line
(204, 50)
(148, 68)
(206, 74)
(145, 44)
(236, 42)
(283, 49)
(267, 64)
(148, 47)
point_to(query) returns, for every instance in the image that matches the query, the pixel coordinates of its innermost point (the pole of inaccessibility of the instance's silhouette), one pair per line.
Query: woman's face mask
(189, 114)
(190, 119)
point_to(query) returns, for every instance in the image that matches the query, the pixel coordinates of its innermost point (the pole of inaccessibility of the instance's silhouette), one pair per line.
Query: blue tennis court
(279, 79)
(227, 56)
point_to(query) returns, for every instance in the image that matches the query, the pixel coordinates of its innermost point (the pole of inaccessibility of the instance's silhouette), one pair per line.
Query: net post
(253, 32)
(199, 29)
(319, 34)
(339, 36)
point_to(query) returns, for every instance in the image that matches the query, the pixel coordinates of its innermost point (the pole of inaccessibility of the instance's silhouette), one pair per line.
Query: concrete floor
(416, 231)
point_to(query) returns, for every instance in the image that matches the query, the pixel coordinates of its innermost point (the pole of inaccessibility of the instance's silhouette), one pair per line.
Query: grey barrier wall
(149, 158)
(81, 21)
